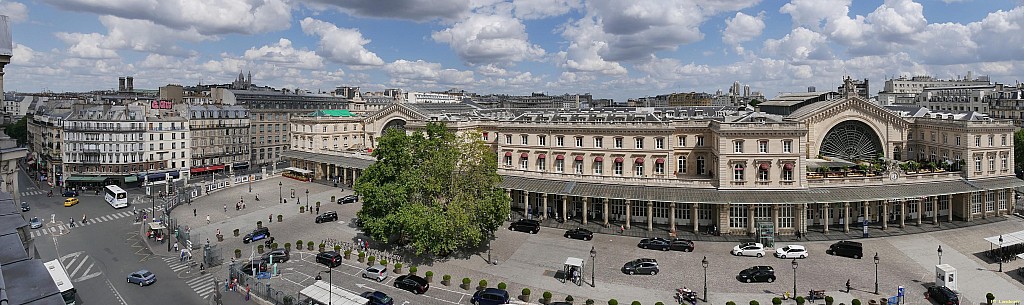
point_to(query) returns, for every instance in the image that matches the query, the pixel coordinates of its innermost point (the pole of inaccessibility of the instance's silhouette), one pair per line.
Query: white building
(431, 97)
(904, 90)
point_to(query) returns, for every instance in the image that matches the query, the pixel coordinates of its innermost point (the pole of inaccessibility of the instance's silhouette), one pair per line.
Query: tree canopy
(432, 190)
(18, 130)
(1018, 150)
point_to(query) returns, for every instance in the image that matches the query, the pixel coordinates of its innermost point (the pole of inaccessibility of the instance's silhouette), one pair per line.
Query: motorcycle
(685, 295)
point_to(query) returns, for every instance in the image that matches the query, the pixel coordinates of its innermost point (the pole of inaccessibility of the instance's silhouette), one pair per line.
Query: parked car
(942, 295)
(35, 223)
(330, 259)
(378, 298)
(376, 273)
(69, 193)
(348, 199)
(328, 216)
(525, 225)
(846, 248)
(70, 202)
(280, 256)
(656, 243)
(142, 277)
(749, 249)
(680, 244)
(641, 265)
(258, 234)
(757, 274)
(580, 233)
(254, 266)
(791, 251)
(25, 207)
(490, 296)
(412, 283)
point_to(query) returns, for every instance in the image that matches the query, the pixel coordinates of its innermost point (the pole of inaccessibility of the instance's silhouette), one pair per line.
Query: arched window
(737, 172)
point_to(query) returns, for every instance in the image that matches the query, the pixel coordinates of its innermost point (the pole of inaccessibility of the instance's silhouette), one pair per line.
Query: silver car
(376, 272)
(35, 223)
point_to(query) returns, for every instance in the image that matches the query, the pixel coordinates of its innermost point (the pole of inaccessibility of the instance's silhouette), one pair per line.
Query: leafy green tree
(1018, 150)
(18, 130)
(432, 190)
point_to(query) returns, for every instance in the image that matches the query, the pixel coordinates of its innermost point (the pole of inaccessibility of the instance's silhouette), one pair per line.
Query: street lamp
(1000, 253)
(940, 254)
(280, 193)
(307, 199)
(593, 267)
(794, 276)
(704, 263)
(250, 183)
(876, 272)
(330, 286)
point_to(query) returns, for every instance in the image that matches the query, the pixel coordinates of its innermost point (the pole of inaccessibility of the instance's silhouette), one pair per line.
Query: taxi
(70, 202)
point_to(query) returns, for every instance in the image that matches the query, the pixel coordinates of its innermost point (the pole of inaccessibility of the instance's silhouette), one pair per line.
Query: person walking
(847, 285)
(247, 292)
(72, 221)
(318, 210)
(195, 213)
(225, 208)
(83, 218)
(207, 218)
(175, 246)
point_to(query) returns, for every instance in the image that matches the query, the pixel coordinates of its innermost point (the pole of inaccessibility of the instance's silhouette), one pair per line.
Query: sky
(616, 49)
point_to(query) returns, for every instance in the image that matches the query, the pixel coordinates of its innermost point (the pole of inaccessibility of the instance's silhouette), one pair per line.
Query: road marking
(116, 294)
(69, 260)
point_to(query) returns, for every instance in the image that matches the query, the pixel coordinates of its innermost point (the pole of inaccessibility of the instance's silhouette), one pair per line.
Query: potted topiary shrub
(238, 253)
(302, 209)
(333, 199)
(635, 303)
(298, 245)
(318, 204)
(235, 232)
(547, 297)
(337, 248)
(287, 247)
(482, 285)
(259, 249)
(280, 218)
(309, 245)
(730, 303)
(613, 302)
(370, 260)
(829, 300)
(659, 303)
(398, 268)
(855, 302)
(322, 247)
(753, 302)
(502, 286)
(273, 245)
(446, 280)
(799, 300)
(989, 297)
(590, 302)
(430, 276)
(569, 299)
(383, 262)
(776, 301)
(525, 297)
(413, 269)
(348, 253)
(259, 224)
(362, 255)
(288, 300)
(465, 283)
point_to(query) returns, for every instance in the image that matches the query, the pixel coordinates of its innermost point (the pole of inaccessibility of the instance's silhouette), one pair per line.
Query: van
(846, 248)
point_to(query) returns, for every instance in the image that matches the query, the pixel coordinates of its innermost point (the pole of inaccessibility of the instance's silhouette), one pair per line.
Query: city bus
(115, 196)
(60, 277)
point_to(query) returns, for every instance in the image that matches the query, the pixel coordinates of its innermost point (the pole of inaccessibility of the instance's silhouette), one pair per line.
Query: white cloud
(800, 44)
(897, 21)
(86, 45)
(422, 73)
(537, 9)
(586, 44)
(15, 11)
(811, 13)
(417, 10)
(207, 17)
(485, 39)
(23, 55)
(345, 46)
(128, 34)
(742, 28)
(673, 69)
(285, 55)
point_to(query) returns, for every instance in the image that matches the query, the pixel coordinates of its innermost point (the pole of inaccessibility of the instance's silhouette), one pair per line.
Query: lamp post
(593, 267)
(940, 254)
(307, 199)
(330, 286)
(795, 264)
(250, 183)
(1000, 253)
(280, 193)
(704, 263)
(876, 272)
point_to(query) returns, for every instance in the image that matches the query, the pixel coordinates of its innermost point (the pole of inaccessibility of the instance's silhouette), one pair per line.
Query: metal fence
(258, 287)
(378, 254)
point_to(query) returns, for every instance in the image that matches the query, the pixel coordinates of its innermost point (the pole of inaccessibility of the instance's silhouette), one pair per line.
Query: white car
(376, 272)
(791, 251)
(749, 249)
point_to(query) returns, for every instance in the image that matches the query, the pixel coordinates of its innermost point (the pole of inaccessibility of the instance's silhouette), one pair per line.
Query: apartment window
(975, 202)
(508, 139)
(1002, 200)
(787, 172)
(559, 141)
(659, 168)
(598, 142)
(991, 140)
(577, 167)
(762, 173)
(787, 146)
(1002, 140)
(639, 143)
(618, 168)
(618, 142)
(524, 139)
(991, 163)
(659, 143)
(945, 138)
(598, 167)
(579, 141)
(681, 165)
(737, 172)
(762, 147)
(933, 136)
(738, 216)
(910, 135)
(542, 140)
(737, 146)
(559, 165)
(541, 164)
(638, 168)
(508, 160)
(977, 163)
(1003, 162)
(977, 141)
(700, 165)
(700, 141)
(682, 141)
(524, 163)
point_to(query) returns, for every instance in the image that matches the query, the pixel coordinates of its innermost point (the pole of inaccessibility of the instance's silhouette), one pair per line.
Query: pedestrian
(218, 231)
(359, 243)
(247, 292)
(72, 221)
(318, 210)
(207, 218)
(194, 213)
(225, 208)
(622, 229)
(366, 244)
(175, 246)
(847, 285)
(271, 218)
(243, 205)
(201, 267)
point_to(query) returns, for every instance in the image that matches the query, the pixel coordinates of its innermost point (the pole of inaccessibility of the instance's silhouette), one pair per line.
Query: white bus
(115, 196)
(60, 277)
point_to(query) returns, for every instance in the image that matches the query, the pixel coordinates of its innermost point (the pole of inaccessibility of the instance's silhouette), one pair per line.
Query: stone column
(629, 212)
(671, 216)
(775, 217)
(750, 219)
(935, 211)
(885, 214)
(920, 211)
(650, 215)
(585, 201)
(801, 218)
(867, 210)
(949, 212)
(544, 209)
(694, 218)
(565, 207)
(344, 175)
(846, 217)
(984, 204)
(605, 212)
(903, 214)
(824, 216)
(511, 201)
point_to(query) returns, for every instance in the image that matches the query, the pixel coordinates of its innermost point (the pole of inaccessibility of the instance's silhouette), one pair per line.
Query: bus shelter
(572, 271)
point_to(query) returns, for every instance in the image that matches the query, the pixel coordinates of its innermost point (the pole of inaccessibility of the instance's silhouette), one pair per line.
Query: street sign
(899, 291)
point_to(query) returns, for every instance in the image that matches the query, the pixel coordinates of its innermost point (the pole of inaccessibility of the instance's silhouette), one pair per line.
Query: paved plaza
(527, 260)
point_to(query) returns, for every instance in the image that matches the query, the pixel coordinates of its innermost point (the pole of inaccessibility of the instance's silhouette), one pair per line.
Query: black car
(656, 243)
(757, 274)
(641, 265)
(69, 193)
(525, 225)
(330, 259)
(680, 244)
(412, 283)
(258, 234)
(348, 199)
(279, 255)
(490, 296)
(942, 295)
(378, 298)
(580, 233)
(846, 248)
(25, 207)
(328, 216)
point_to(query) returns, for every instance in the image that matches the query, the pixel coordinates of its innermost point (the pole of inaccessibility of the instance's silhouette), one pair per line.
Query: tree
(18, 130)
(432, 190)
(1018, 150)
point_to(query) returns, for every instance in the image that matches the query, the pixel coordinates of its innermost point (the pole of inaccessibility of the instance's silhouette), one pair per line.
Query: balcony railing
(111, 129)
(658, 180)
(857, 179)
(216, 126)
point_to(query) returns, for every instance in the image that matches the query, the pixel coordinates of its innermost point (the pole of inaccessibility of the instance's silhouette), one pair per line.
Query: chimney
(130, 85)
(120, 84)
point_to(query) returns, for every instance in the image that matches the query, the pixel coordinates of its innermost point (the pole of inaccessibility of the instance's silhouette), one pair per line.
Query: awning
(86, 179)
(298, 170)
(322, 293)
(508, 153)
(541, 156)
(765, 166)
(524, 155)
(788, 166)
(560, 157)
(598, 159)
(1009, 239)
(156, 226)
(639, 160)
(344, 160)
(579, 158)
(618, 160)
(659, 161)
(130, 179)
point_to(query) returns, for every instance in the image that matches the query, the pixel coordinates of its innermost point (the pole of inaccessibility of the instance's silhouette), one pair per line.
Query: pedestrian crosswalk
(33, 193)
(202, 284)
(50, 229)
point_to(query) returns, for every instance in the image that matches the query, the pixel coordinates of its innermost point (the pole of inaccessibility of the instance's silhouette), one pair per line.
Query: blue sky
(610, 48)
